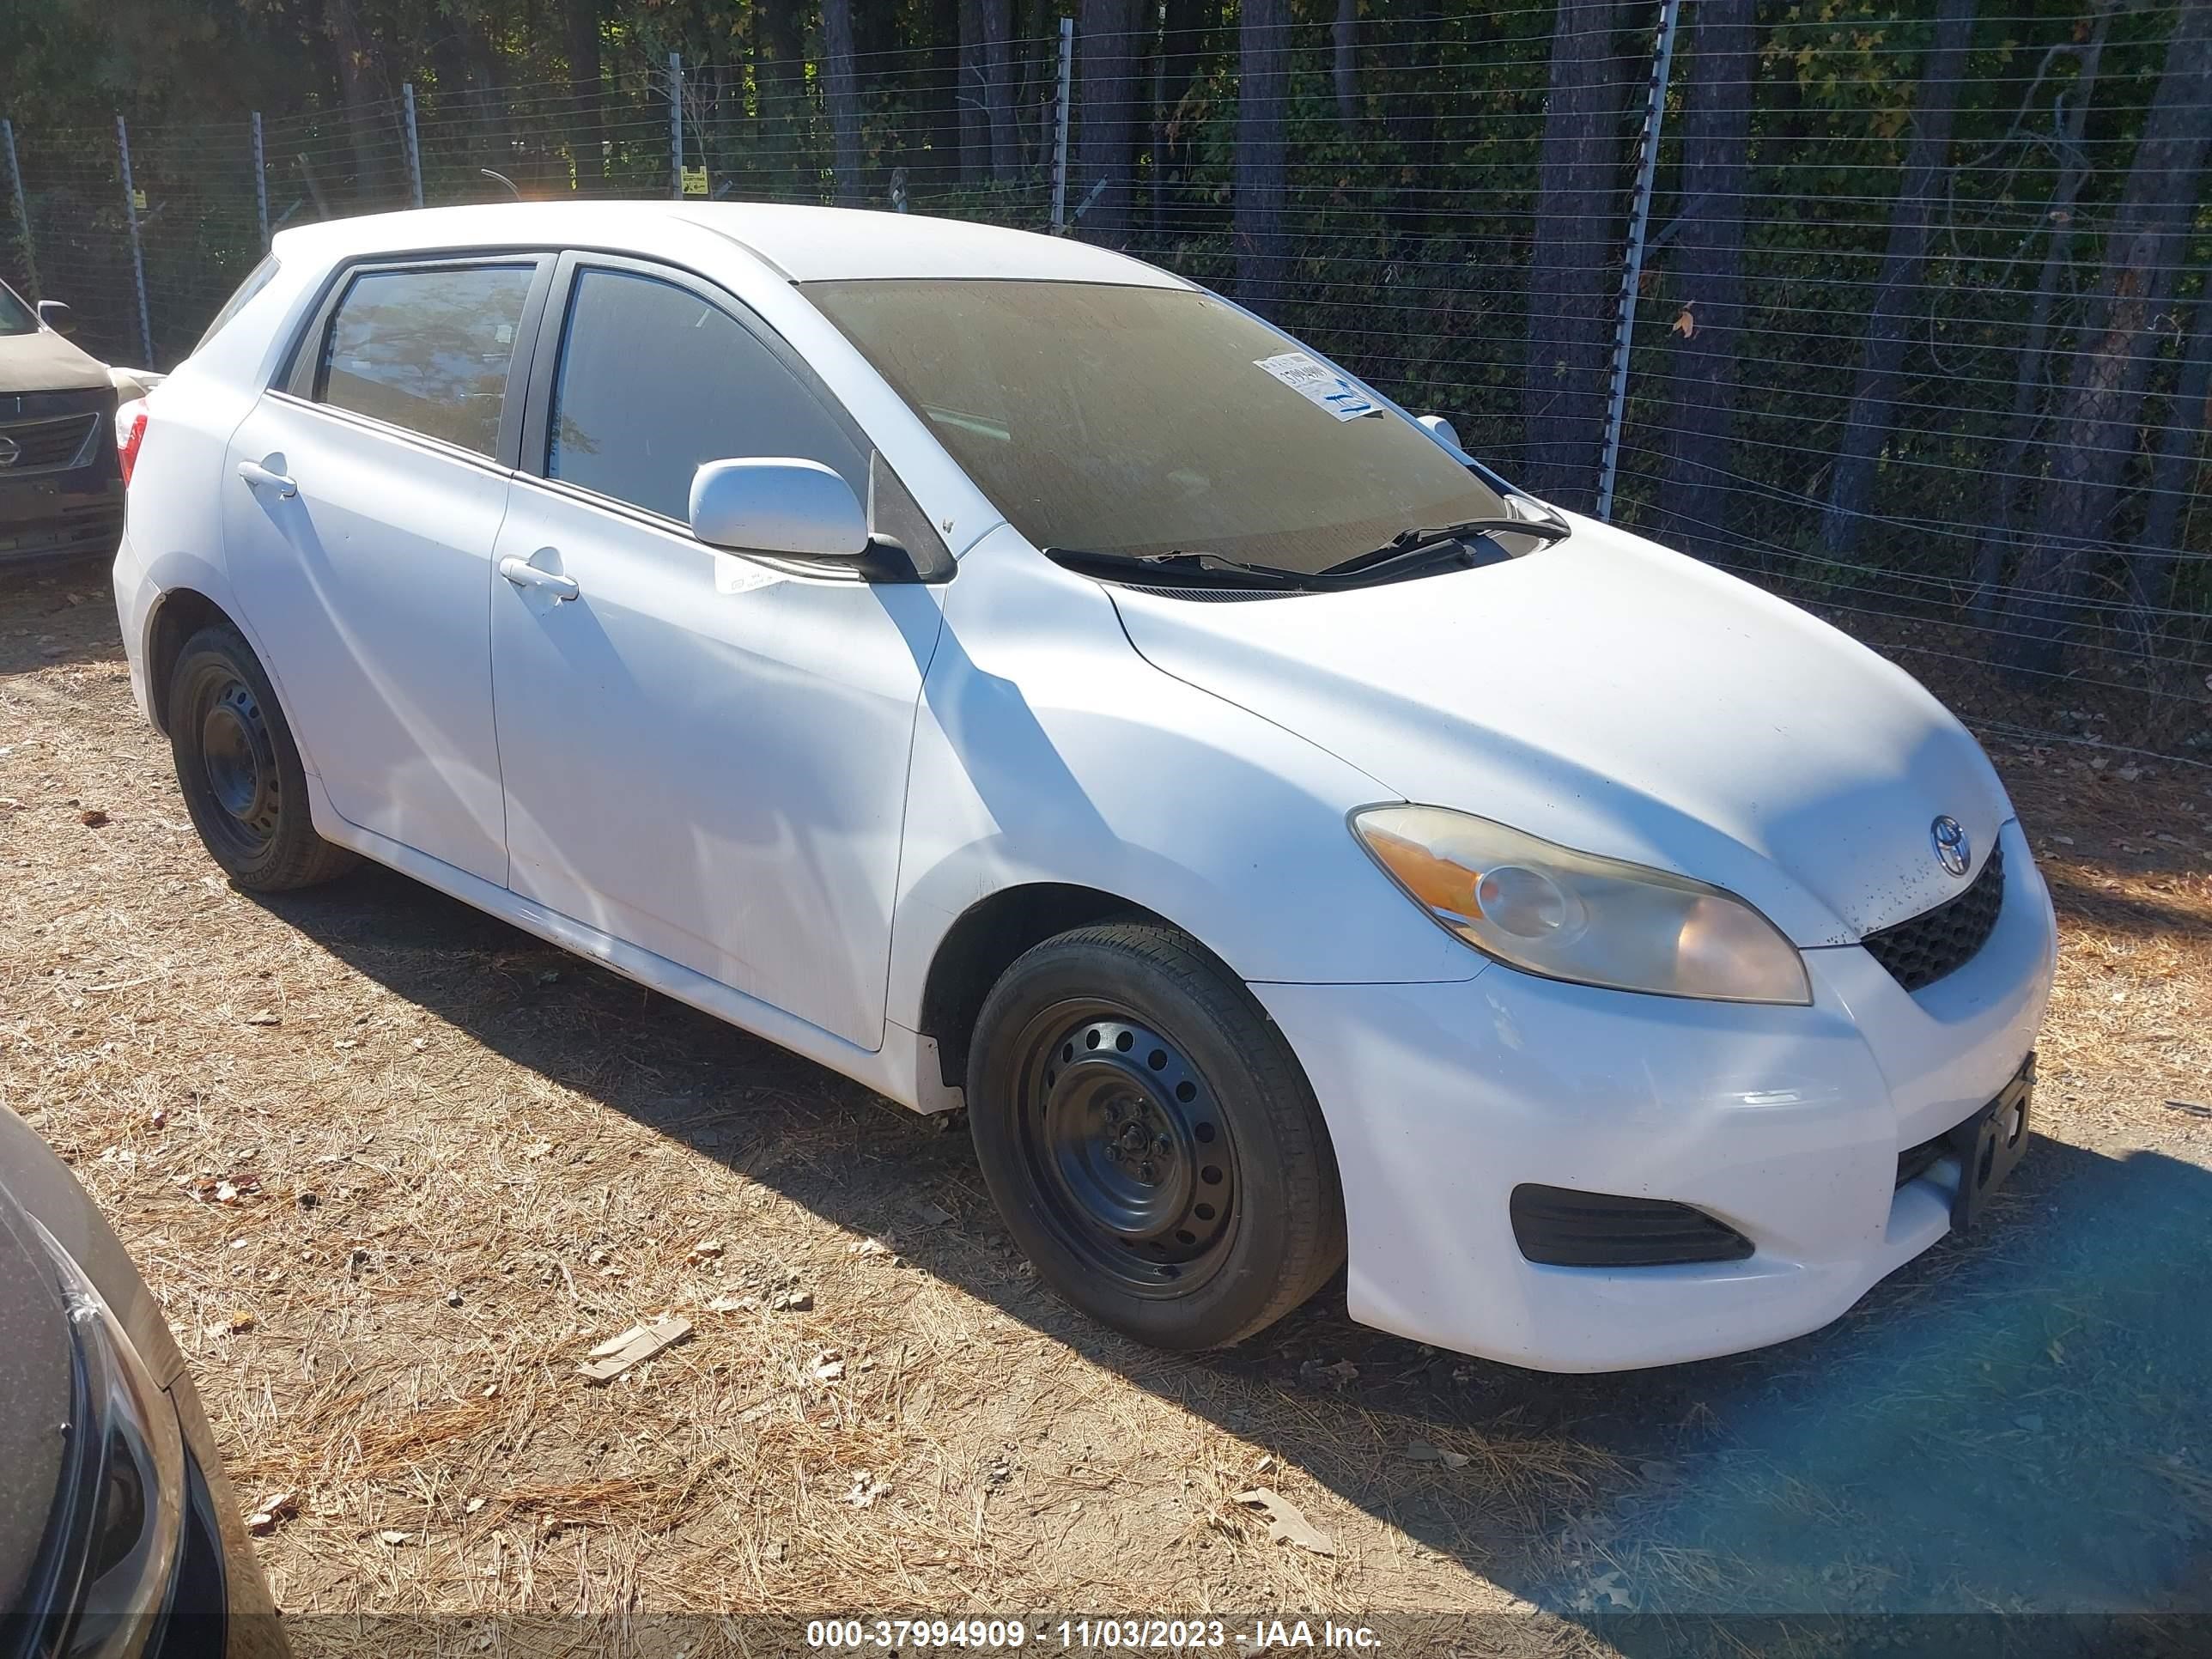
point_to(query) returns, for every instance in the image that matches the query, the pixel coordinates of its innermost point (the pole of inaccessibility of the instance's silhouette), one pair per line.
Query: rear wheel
(1149, 1139)
(239, 769)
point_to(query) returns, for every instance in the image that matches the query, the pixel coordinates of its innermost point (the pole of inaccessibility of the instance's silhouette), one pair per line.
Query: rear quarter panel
(173, 525)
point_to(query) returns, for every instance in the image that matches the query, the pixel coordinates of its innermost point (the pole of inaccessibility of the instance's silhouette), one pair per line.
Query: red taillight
(129, 433)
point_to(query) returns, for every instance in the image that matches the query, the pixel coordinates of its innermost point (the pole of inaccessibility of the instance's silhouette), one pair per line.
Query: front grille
(94, 527)
(48, 446)
(1919, 952)
(1563, 1228)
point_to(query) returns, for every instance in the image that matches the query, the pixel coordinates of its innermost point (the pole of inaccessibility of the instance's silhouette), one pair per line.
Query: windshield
(1139, 420)
(16, 317)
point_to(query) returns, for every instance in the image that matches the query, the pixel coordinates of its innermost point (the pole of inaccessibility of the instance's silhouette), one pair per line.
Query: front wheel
(1149, 1139)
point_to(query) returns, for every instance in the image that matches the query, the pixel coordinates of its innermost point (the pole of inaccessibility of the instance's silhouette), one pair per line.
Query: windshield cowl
(1411, 553)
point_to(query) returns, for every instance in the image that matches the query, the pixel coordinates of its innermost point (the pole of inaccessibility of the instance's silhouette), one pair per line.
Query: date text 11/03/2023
(1244, 1636)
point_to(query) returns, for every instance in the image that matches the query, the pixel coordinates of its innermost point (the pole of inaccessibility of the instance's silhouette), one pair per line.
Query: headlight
(1570, 915)
(109, 1563)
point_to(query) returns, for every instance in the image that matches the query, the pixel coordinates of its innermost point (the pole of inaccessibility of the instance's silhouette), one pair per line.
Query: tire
(240, 770)
(1150, 1140)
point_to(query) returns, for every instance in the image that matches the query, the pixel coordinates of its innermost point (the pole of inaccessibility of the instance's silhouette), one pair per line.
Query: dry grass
(393, 1168)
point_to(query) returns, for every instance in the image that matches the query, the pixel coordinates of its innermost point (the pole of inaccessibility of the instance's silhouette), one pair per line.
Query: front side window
(654, 380)
(427, 350)
(1146, 420)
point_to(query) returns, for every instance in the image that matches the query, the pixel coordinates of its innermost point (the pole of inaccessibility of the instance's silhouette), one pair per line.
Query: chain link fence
(1821, 337)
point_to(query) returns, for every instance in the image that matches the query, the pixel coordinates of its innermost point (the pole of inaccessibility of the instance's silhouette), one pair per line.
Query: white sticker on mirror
(1319, 384)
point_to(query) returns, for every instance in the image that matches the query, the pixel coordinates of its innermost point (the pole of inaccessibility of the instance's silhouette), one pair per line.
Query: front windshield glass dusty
(1147, 420)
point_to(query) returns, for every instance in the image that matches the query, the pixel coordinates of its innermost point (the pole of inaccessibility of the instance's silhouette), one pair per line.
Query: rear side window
(653, 380)
(256, 280)
(427, 350)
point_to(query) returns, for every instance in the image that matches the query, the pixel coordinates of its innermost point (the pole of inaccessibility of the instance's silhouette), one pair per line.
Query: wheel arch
(985, 940)
(179, 614)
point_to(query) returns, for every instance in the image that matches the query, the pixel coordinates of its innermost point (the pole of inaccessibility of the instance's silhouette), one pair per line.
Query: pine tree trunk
(995, 18)
(1572, 265)
(582, 20)
(359, 83)
(987, 129)
(1183, 35)
(2098, 410)
(2006, 484)
(943, 129)
(1409, 113)
(1704, 348)
(1343, 63)
(2174, 461)
(1106, 60)
(1261, 173)
(841, 95)
(1897, 290)
(780, 73)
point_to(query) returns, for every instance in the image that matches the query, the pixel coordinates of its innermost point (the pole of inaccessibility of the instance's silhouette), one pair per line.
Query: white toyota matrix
(1017, 678)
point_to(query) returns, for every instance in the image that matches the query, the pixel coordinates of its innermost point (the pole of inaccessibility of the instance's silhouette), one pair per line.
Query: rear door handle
(523, 574)
(254, 473)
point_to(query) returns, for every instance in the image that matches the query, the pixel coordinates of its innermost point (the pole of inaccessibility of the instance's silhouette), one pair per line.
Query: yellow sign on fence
(695, 181)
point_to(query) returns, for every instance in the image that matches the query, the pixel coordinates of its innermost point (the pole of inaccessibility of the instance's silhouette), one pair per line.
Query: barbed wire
(1406, 250)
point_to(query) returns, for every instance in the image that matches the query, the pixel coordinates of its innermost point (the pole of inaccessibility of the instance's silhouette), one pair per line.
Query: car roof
(803, 244)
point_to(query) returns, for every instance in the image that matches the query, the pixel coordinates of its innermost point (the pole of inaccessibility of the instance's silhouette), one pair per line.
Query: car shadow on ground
(2015, 1423)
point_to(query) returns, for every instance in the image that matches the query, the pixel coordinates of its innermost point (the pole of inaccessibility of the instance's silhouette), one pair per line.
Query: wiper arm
(1208, 569)
(1408, 544)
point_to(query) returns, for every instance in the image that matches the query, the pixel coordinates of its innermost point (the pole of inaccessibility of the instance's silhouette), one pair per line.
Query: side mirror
(1440, 428)
(56, 316)
(795, 508)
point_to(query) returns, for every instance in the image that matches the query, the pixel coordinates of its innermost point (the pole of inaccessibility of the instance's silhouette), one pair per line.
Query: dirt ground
(393, 1168)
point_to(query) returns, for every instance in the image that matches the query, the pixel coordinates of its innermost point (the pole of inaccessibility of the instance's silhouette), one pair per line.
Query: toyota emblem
(1953, 849)
(10, 450)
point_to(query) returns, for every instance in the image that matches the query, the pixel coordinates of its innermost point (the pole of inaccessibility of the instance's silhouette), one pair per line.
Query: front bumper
(1784, 1122)
(219, 1594)
(42, 520)
(55, 505)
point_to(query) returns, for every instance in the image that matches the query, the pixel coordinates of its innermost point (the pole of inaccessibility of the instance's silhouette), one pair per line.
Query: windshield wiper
(1416, 546)
(1204, 569)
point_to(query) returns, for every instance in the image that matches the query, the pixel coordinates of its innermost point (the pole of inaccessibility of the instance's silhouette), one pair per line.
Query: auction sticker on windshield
(1319, 384)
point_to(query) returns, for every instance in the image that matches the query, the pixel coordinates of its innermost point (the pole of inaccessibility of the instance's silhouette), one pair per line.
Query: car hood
(44, 362)
(1624, 700)
(34, 1382)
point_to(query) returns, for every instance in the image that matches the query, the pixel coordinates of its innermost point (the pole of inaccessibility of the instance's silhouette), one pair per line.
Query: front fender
(1048, 750)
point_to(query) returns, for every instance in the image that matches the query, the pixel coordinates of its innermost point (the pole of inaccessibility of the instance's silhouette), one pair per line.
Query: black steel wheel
(239, 761)
(1149, 1139)
(239, 769)
(1121, 1135)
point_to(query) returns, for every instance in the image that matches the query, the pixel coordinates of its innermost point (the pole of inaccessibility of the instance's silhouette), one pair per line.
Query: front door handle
(523, 574)
(254, 473)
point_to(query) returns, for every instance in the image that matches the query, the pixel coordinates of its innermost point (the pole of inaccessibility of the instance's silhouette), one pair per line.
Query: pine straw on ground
(393, 1168)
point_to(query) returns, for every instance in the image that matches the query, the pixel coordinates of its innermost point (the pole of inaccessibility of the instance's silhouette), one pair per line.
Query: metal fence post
(1060, 125)
(260, 183)
(1631, 275)
(413, 149)
(137, 253)
(22, 209)
(676, 124)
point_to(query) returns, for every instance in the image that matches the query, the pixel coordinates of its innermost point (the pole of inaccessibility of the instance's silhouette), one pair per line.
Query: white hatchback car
(1012, 676)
